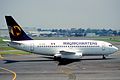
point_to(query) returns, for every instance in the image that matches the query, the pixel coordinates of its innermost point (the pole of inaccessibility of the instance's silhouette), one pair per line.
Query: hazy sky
(62, 13)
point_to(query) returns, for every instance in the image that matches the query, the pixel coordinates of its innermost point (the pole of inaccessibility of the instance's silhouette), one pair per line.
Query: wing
(67, 53)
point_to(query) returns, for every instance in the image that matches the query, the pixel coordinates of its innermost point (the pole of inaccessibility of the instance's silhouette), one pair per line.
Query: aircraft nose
(115, 49)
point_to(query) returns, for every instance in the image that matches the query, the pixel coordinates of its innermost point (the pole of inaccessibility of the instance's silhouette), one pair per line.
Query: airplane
(59, 49)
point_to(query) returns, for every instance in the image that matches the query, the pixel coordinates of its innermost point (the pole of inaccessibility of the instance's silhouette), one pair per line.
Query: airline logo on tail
(15, 30)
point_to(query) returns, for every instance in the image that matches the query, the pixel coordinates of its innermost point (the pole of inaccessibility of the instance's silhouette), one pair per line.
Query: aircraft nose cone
(115, 49)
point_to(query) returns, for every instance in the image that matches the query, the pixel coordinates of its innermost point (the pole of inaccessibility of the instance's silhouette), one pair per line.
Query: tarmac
(37, 67)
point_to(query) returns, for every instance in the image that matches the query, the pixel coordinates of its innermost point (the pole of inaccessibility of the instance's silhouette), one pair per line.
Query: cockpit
(110, 45)
(112, 48)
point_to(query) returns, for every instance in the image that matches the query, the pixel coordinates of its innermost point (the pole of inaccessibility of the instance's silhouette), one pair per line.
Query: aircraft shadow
(60, 62)
(68, 61)
(14, 61)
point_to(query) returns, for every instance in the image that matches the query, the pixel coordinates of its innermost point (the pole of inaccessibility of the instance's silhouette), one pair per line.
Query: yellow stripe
(14, 74)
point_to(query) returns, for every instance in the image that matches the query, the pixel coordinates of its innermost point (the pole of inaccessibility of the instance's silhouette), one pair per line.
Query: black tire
(57, 58)
(104, 57)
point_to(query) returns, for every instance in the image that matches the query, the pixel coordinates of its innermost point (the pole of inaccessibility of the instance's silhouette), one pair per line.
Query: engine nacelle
(68, 56)
(57, 56)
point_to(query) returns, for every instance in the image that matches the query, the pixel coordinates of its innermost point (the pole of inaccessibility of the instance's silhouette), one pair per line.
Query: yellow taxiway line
(14, 74)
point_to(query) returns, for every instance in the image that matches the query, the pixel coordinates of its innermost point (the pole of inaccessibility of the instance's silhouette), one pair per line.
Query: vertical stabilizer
(15, 31)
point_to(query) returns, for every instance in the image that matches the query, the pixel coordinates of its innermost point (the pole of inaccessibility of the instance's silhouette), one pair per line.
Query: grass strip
(6, 48)
(14, 52)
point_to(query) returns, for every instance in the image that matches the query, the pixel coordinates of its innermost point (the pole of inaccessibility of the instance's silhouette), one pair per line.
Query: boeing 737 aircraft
(62, 49)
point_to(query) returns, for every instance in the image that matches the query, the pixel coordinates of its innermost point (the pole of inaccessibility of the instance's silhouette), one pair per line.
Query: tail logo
(15, 30)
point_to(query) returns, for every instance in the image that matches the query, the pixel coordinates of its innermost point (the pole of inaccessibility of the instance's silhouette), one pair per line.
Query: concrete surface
(36, 67)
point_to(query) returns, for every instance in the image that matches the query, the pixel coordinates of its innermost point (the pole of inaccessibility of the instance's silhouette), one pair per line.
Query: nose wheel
(104, 57)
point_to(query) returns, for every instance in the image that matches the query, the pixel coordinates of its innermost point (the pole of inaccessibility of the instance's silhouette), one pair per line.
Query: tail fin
(15, 31)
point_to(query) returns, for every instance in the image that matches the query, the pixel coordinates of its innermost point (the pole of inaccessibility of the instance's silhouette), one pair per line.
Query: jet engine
(68, 56)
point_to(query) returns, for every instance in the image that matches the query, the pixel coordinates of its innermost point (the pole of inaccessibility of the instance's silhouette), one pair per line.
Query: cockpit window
(110, 45)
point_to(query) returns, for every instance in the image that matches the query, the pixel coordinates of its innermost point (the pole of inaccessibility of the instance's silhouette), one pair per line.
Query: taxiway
(36, 67)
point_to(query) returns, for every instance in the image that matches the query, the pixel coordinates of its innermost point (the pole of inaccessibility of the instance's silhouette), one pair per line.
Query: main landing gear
(57, 58)
(104, 57)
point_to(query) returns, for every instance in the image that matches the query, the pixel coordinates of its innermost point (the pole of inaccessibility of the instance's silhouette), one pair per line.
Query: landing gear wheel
(57, 58)
(104, 57)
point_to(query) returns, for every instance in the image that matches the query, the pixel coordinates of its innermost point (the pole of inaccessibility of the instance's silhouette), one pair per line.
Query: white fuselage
(53, 47)
(70, 49)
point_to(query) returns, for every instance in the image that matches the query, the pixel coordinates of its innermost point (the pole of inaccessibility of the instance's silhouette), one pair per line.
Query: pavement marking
(68, 71)
(14, 74)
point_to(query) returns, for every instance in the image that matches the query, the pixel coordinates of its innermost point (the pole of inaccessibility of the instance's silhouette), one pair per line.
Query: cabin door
(103, 47)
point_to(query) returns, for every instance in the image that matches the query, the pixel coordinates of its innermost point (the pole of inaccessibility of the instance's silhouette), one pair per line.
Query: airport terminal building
(4, 33)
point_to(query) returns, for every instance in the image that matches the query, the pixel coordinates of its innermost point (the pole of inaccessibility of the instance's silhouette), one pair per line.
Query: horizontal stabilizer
(6, 40)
